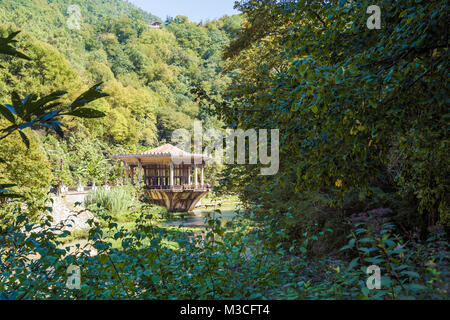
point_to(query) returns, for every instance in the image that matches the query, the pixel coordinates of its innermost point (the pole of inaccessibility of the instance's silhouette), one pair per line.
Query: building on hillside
(170, 176)
(156, 25)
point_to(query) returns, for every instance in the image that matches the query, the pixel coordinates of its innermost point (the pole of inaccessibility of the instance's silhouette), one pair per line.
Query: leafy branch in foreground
(7, 49)
(32, 112)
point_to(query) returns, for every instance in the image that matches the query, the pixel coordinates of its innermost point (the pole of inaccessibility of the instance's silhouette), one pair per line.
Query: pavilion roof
(162, 153)
(166, 149)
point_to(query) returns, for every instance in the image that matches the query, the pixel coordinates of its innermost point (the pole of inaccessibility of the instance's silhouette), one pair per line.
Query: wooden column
(189, 175)
(195, 176)
(140, 172)
(126, 173)
(202, 176)
(171, 175)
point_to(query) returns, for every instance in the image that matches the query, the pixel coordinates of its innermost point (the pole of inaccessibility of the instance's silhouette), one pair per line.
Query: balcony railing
(179, 187)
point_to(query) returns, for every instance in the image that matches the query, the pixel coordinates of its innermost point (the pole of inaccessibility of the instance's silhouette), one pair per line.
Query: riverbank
(222, 208)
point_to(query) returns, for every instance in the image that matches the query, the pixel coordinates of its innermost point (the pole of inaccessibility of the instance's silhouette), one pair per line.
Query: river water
(198, 217)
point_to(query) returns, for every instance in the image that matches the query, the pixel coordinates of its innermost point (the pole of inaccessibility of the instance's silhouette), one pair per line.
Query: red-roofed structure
(156, 25)
(169, 175)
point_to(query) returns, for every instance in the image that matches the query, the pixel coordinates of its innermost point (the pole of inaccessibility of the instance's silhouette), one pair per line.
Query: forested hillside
(148, 73)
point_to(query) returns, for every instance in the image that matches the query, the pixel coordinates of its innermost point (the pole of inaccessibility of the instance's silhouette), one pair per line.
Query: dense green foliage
(147, 72)
(240, 262)
(363, 114)
(34, 113)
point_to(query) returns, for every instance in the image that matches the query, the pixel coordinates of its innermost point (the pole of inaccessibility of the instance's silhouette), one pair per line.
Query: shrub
(117, 201)
(244, 262)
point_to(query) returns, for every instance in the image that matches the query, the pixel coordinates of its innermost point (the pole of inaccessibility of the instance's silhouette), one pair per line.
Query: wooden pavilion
(170, 176)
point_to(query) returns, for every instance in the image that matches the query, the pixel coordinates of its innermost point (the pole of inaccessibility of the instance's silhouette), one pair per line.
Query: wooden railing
(185, 187)
(178, 187)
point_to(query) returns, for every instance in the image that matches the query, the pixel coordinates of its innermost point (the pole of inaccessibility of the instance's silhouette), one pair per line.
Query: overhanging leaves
(7, 113)
(7, 49)
(87, 113)
(25, 138)
(92, 94)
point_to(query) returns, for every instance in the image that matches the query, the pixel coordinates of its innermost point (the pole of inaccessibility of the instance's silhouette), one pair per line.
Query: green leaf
(7, 114)
(353, 264)
(92, 94)
(351, 243)
(25, 139)
(417, 287)
(412, 274)
(389, 243)
(6, 49)
(87, 113)
(40, 106)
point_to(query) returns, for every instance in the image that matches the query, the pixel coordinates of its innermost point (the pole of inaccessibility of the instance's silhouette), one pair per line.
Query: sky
(195, 10)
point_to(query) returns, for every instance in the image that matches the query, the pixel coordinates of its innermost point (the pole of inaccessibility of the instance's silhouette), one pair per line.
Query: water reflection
(197, 218)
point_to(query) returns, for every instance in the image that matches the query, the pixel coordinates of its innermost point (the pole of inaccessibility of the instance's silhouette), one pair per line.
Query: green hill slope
(148, 72)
